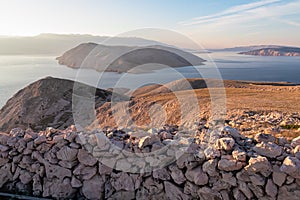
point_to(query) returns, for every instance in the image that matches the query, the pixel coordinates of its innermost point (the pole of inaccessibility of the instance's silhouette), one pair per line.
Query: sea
(17, 71)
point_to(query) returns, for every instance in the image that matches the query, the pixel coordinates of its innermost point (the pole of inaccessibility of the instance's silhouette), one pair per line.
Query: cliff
(280, 51)
(125, 58)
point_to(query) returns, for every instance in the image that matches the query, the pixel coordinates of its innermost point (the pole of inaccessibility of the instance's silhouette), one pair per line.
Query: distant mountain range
(56, 44)
(247, 48)
(275, 51)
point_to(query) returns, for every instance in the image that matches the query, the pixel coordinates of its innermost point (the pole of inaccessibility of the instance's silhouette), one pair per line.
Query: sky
(212, 24)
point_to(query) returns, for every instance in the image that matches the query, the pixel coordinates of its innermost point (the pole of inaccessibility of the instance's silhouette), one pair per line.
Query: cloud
(265, 9)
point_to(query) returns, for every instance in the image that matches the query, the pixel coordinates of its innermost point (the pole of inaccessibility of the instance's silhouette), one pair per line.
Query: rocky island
(125, 58)
(275, 51)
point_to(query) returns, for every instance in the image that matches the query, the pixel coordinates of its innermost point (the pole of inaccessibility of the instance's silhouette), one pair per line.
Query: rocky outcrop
(279, 51)
(45, 103)
(113, 164)
(125, 58)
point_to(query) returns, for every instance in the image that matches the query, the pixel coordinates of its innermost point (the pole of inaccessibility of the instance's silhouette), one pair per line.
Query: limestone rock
(161, 174)
(197, 176)
(291, 166)
(85, 172)
(207, 193)
(262, 137)
(225, 143)
(278, 176)
(174, 192)
(123, 181)
(296, 141)
(269, 149)
(259, 164)
(67, 154)
(211, 153)
(85, 158)
(239, 155)
(58, 189)
(210, 167)
(148, 140)
(54, 171)
(5, 174)
(227, 163)
(41, 139)
(93, 188)
(177, 175)
(271, 188)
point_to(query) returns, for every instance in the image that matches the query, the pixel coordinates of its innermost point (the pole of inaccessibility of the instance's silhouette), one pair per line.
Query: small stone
(174, 192)
(210, 167)
(177, 175)
(161, 174)
(262, 137)
(269, 149)
(40, 139)
(67, 154)
(227, 163)
(85, 172)
(3, 148)
(25, 177)
(278, 176)
(225, 143)
(245, 189)
(93, 188)
(148, 140)
(197, 176)
(259, 164)
(53, 171)
(211, 153)
(291, 166)
(123, 181)
(75, 182)
(85, 158)
(239, 155)
(206, 193)
(271, 188)
(257, 179)
(296, 141)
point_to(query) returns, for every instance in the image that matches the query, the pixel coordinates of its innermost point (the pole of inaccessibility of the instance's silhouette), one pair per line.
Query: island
(274, 51)
(127, 58)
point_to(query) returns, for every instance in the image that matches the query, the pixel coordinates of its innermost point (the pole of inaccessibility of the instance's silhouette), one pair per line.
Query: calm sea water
(18, 71)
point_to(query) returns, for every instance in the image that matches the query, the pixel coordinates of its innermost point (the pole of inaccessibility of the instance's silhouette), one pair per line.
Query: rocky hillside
(47, 102)
(216, 163)
(125, 58)
(280, 51)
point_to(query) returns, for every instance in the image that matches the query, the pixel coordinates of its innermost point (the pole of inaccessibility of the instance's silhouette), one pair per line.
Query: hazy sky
(218, 23)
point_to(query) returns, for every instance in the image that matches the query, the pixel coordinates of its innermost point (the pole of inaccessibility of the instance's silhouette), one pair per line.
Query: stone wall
(213, 164)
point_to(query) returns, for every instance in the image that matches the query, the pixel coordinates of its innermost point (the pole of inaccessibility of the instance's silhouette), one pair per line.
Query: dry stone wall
(218, 163)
